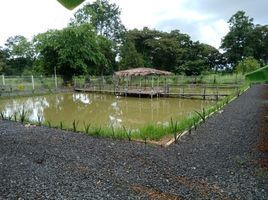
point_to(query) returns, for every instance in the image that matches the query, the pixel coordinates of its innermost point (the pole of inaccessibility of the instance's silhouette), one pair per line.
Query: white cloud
(203, 20)
(140, 13)
(213, 32)
(31, 17)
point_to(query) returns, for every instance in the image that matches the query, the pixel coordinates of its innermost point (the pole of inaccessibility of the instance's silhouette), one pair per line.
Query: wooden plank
(151, 93)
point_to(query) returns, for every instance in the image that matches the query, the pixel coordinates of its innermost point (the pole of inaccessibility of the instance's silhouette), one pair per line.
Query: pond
(102, 110)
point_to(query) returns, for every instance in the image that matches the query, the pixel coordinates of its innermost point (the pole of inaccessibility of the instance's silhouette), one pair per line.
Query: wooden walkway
(152, 93)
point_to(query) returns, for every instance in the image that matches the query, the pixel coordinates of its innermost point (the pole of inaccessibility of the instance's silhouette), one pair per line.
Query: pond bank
(217, 161)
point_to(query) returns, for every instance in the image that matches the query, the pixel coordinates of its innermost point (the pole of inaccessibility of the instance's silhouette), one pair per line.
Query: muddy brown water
(102, 110)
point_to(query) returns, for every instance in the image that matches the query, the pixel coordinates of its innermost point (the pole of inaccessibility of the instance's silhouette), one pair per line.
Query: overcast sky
(203, 20)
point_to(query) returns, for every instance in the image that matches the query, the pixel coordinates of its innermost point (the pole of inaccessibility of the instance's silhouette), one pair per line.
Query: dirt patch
(205, 189)
(76, 167)
(155, 194)
(263, 162)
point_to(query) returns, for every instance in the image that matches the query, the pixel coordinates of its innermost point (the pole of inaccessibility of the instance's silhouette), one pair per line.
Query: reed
(202, 114)
(75, 124)
(86, 127)
(39, 120)
(174, 127)
(9, 117)
(15, 116)
(2, 114)
(113, 132)
(49, 124)
(23, 115)
(61, 125)
(96, 131)
(196, 119)
(128, 133)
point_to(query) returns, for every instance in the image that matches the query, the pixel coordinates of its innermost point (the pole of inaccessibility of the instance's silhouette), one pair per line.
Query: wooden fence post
(217, 97)
(3, 79)
(204, 94)
(32, 82)
(126, 89)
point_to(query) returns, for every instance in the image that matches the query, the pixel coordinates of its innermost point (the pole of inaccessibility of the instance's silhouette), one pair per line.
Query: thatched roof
(141, 72)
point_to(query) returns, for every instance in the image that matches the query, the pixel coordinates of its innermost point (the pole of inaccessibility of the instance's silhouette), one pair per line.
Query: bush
(260, 75)
(247, 65)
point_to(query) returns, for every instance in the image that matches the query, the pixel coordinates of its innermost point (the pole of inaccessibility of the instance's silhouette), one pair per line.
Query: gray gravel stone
(217, 161)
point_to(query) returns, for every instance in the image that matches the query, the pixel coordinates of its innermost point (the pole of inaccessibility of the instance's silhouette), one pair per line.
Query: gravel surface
(217, 161)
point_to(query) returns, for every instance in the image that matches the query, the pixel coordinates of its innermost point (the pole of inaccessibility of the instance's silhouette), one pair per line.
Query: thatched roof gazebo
(142, 71)
(127, 76)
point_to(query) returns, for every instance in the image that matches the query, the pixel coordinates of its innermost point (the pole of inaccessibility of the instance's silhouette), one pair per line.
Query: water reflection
(102, 110)
(83, 98)
(115, 115)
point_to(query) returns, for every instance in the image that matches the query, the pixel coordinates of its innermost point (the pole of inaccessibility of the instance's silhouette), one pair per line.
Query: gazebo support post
(140, 87)
(152, 90)
(145, 82)
(126, 89)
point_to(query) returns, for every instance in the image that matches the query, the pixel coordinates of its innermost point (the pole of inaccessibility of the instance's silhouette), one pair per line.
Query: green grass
(260, 75)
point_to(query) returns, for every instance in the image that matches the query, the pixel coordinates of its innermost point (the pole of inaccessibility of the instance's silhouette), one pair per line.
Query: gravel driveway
(217, 161)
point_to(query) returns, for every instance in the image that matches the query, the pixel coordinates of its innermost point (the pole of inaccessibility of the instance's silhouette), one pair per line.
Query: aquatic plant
(227, 100)
(23, 115)
(96, 131)
(75, 124)
(128, 133)
(9, 117)
(113, 132)
(2, 114)
(174, 127)
(15, 116)
(49, 124)
(39, 120)
(61, 125)
(86, 127)
(145, 140)
(238, 92)
(196, 120)
(202, 114)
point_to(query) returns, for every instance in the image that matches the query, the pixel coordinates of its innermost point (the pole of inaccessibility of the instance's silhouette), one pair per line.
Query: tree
(193, 61)
(130, 57)
(213, 58)
(258, 41)
(3, 61)
(104, 17)
(19, 47)
(173, 51)
(20, 54)
(142, 40)
(248, 64)
(236, 43)
(72, 51)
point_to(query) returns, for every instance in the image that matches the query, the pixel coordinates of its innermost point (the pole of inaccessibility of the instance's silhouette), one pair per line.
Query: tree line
(96, 42)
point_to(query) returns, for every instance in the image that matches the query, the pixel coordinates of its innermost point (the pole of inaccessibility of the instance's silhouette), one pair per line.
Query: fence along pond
(157, 86)
(211, 86)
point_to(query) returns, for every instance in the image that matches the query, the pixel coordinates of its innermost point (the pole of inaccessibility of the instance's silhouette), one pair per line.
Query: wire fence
(103, 81)
(180, 86)
(21, 85)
